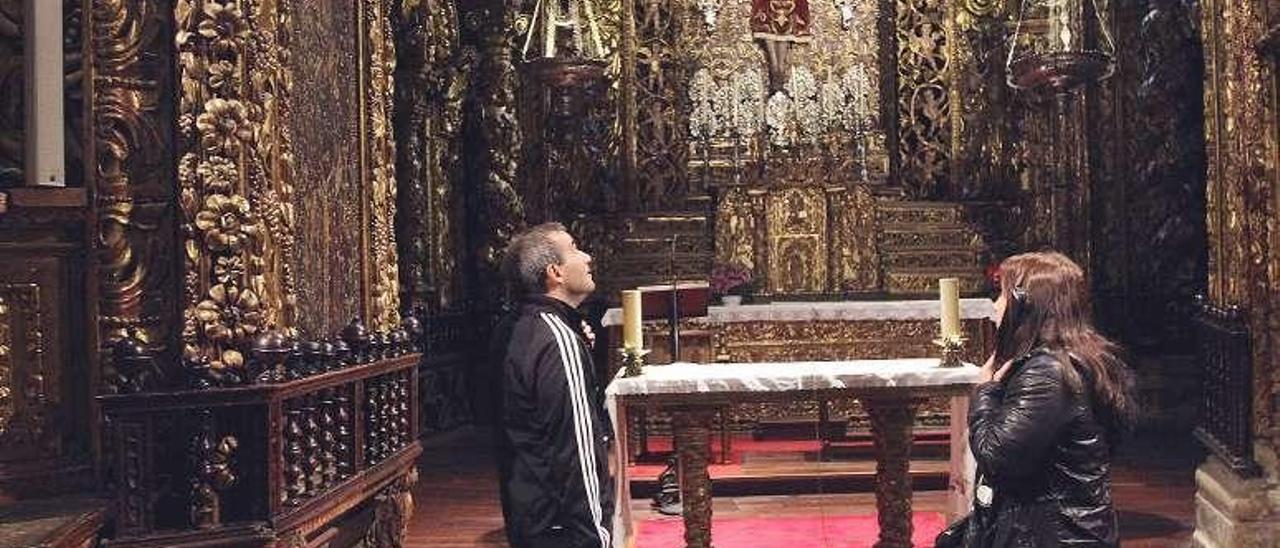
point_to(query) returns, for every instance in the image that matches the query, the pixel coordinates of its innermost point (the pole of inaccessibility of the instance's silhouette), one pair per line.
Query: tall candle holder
(632, 361)
(950, 345)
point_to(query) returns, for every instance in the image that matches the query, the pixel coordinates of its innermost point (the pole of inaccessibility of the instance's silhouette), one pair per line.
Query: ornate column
(692, 430)
(891, 426)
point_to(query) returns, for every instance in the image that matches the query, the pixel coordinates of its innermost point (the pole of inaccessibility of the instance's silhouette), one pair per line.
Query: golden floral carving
(223, 126)
(229, 313)
(226, 223)
(234, 174)
(384, 309)
(224, 26)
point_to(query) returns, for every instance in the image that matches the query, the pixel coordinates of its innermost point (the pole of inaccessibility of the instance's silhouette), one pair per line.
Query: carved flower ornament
(229, 314)
(223, 25)
(223, 126)
(226, 223)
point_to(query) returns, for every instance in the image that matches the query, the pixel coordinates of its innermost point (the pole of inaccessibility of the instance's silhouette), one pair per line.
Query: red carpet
(856, 531)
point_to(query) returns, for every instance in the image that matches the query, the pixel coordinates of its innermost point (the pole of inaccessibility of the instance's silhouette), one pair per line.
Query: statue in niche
(778, 24)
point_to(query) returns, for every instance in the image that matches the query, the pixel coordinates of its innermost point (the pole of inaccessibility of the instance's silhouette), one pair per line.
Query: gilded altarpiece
(286, 167)
(801, 239)
(1240, 139)
(434, 75)
(894, 96)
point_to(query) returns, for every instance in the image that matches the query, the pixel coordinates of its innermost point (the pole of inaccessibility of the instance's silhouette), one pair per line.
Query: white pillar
(45, 152)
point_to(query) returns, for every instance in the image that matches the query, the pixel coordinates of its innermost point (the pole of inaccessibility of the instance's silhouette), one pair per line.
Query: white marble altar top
(833, 311)
(698, 378)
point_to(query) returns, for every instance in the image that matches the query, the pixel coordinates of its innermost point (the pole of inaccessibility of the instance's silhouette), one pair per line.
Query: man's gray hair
(525, 262)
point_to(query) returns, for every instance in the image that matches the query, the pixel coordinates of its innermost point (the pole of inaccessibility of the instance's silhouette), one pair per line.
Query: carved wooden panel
(45, 429)
(1150, 251)
(496, 210)
(30, 386)
(855, 261)
(798, 239)
(326, 128)
(433, 73)
(660, 73)
(924, 103)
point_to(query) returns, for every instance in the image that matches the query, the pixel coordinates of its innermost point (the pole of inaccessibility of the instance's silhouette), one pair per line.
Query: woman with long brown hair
(1055, 401)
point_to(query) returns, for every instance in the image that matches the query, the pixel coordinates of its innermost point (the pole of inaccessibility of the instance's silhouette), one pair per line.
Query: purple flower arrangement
(730, 279)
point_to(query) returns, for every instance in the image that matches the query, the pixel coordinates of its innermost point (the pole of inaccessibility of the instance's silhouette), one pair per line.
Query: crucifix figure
(778, 24)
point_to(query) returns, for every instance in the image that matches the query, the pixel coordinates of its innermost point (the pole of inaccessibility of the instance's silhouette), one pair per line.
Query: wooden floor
(457, 495)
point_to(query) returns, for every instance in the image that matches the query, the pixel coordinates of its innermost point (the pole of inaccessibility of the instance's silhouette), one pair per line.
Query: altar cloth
(832, 311)
(695, 378)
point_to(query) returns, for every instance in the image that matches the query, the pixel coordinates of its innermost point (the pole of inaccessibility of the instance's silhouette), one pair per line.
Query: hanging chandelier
(1059, 45)
(562, 46)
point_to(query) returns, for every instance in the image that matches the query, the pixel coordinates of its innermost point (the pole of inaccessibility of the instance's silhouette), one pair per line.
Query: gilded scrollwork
(855, 262)
(128, 163)
(659, 69)
(383, 271)
(924, 127)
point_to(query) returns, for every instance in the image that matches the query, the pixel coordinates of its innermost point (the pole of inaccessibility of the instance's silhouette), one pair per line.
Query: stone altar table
(890, 389)
(784, 332)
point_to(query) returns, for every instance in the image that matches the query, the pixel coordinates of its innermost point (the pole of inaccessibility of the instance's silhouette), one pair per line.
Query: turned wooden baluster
(328, 438)
(295, 483)
(346, 456)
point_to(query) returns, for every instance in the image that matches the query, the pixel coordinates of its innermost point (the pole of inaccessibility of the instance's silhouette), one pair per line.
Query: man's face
(573, 274)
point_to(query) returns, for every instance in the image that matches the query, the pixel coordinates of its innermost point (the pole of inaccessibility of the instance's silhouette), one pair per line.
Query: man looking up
(554, 432)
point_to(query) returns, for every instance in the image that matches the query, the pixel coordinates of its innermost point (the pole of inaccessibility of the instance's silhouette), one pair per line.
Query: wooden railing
(321, 430)
(1225, 422)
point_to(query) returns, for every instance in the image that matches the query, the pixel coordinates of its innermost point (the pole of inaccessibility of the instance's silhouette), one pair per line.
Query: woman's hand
(989, 372)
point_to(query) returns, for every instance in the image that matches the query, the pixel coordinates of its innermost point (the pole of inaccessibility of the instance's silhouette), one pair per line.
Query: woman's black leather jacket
(1045, 456)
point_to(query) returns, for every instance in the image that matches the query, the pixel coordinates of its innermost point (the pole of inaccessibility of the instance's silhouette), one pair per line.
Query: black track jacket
(554, 431)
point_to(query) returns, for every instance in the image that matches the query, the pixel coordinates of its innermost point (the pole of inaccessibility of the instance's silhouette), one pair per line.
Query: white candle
(949, 293)
(631, 335)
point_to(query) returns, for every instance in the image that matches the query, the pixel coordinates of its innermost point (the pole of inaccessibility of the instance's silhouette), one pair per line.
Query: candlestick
(631, 334)
(949, 292)
(950, 350)
(632, 361)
